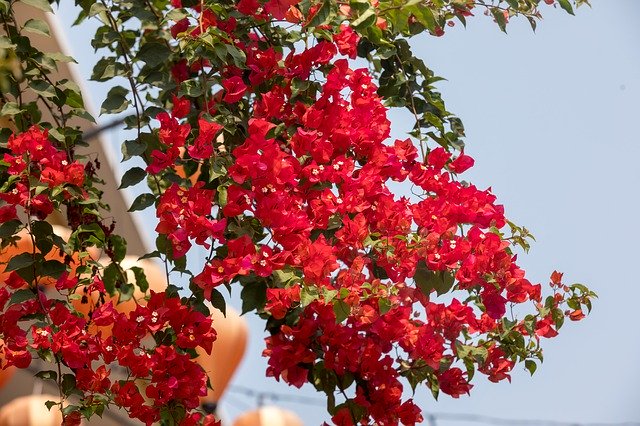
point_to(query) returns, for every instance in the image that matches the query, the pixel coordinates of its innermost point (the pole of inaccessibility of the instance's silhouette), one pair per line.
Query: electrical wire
(490, 420)
(273, 396)
(432, 418)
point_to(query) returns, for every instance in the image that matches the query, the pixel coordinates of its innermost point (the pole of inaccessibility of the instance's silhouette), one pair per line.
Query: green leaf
(308, 295)
(74, 99)
(531, 366)
(218, 302)
(500, 19)
(52, 268)
(415, 372)
(175, 15)
(322, 15)
(222, 196)
(141, 278)
(424, 15)
(43, 5)
(47, 375)
(116, 101)
(366, 19)
(427, 281)
(97, 8)
(192, 88)
(20, 261)
(68, 383)
(218, 168)
(133, 148)
(105, 69)
(37, 26)
(125, 292)
(22, 296)
(9, 228)
(10, 109)
(43, 88)
(95, 236)
(142, 201)
(254, 296)
(119, 247)
(384, 305)
(239, 57)
(341, 309)
(566, 6)
(132, 176)
(110, 277)
(153, 54)
(42, 232)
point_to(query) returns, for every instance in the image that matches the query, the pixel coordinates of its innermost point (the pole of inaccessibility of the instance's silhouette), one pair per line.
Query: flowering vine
(265, 144)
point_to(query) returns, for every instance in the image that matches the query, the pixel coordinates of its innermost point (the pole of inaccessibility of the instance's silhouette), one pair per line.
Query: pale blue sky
(550, 120)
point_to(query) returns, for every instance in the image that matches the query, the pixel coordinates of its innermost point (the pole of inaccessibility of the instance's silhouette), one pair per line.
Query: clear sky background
(551, 119)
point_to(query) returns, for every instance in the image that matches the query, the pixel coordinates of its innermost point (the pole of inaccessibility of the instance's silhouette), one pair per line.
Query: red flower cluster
(34, 156)
(171, 378)
(351, 269)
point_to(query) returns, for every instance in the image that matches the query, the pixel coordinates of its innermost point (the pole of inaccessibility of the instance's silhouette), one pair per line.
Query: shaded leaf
(116, 101)
(142, 201)
(43, 5)
(37, 26)
(566, 5)
(20, 261)
(153, 54)
(132, 176)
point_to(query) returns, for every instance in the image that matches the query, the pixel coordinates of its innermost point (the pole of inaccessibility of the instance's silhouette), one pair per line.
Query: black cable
(432, 418)
(519, 422)
(95, 132)
(273, 396)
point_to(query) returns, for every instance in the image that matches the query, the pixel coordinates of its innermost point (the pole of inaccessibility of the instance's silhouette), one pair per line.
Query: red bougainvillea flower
(234, 89)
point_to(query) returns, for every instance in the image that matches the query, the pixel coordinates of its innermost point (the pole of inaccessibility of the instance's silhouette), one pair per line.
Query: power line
(431, 419)
(240, 405)
(475, 418)
(95, 131)
(273, 396)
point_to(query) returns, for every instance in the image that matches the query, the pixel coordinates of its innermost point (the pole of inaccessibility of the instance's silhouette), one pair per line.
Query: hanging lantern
(228, 350)
(7, 373)
(31, 411)
(268, 416)
(156, 278)
(25, 244)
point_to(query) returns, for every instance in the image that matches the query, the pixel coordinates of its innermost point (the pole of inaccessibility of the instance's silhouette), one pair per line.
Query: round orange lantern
(268, 416)
(228, 350)
(25, 244)
(156, 278)
(31, 411)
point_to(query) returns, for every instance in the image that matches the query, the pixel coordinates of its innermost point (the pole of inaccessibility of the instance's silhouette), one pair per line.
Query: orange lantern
(156, 277)
(228, 350)
(157, 282)
(31, 411)
(7, 373)
(268, 416)
(25, 244)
